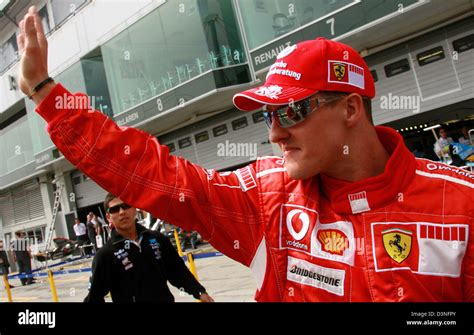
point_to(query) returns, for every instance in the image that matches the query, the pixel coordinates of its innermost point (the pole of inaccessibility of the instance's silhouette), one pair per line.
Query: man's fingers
(42, 41)
(22, 26)
(38, 24)
(31, 39)
(20, 40)
(40, 36)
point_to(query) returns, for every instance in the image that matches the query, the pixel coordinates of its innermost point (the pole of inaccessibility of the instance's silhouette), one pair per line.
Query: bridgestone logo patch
(306, 273)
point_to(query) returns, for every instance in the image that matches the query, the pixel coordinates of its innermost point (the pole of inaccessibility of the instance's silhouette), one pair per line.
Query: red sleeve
(131, 164)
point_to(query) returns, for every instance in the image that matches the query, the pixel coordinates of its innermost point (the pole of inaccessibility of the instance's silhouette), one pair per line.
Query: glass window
(221, 32)
(201, 137)
(17, 146)
(40, 137)
(266, 20)
(239, 123)
(63, 9)
(257, 117)
(397, 68)
(8, 53)
(464, 43)
(219, 130)
(186, 40)
(430, 56)
(96, 84)
(185, 142)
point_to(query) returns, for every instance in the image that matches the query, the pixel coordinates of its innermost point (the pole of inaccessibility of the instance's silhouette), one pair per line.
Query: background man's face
(443, 133)
(312, 146)
(124, 219)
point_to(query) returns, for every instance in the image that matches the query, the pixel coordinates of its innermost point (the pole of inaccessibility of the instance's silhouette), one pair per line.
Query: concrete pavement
(224, 279)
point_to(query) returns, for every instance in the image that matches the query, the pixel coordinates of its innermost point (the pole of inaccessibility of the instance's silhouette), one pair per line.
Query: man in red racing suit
(402, 234)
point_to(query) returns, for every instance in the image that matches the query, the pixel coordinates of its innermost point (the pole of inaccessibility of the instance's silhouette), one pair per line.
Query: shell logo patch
(333, 241)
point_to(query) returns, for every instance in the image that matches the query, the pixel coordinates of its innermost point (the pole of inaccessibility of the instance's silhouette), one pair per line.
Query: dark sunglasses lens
(268, 119)
(289, 115)
(113, 210)
(283, 117)
(116, 209)
(292, 115)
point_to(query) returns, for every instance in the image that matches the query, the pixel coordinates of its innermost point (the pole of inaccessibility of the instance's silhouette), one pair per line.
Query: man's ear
(354, 109)
(107, 215)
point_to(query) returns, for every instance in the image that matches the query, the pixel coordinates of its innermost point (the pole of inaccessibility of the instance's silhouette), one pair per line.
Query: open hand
(33, 50)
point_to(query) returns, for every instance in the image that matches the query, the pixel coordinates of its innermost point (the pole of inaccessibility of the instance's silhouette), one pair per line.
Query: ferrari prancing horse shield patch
(397, 243)
(339, 70)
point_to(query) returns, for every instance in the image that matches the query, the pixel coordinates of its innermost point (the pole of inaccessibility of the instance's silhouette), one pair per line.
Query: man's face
(124, 219)
(314, 145)
(443, 133)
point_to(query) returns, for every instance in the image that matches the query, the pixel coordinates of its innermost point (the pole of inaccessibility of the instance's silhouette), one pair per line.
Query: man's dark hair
(368, 109)
(366, 101)
(108, 198)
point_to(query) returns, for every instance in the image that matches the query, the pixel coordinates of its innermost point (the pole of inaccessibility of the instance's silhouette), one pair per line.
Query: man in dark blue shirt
(136, 263)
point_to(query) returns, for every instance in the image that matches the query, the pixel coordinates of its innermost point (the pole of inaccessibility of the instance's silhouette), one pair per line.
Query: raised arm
(33, 47)
(131, 164)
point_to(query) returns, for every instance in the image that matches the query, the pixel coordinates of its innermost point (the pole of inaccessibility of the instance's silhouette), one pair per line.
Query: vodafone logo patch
(297, 217)
(296, 225)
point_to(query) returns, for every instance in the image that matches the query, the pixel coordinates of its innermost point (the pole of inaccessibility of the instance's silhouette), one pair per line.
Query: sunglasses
(295, 112)
(115, 209)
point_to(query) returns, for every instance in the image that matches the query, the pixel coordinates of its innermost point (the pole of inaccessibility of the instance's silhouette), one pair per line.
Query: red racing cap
(308, 67)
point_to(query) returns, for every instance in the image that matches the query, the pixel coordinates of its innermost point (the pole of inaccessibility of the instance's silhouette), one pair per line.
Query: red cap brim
(270, 95)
